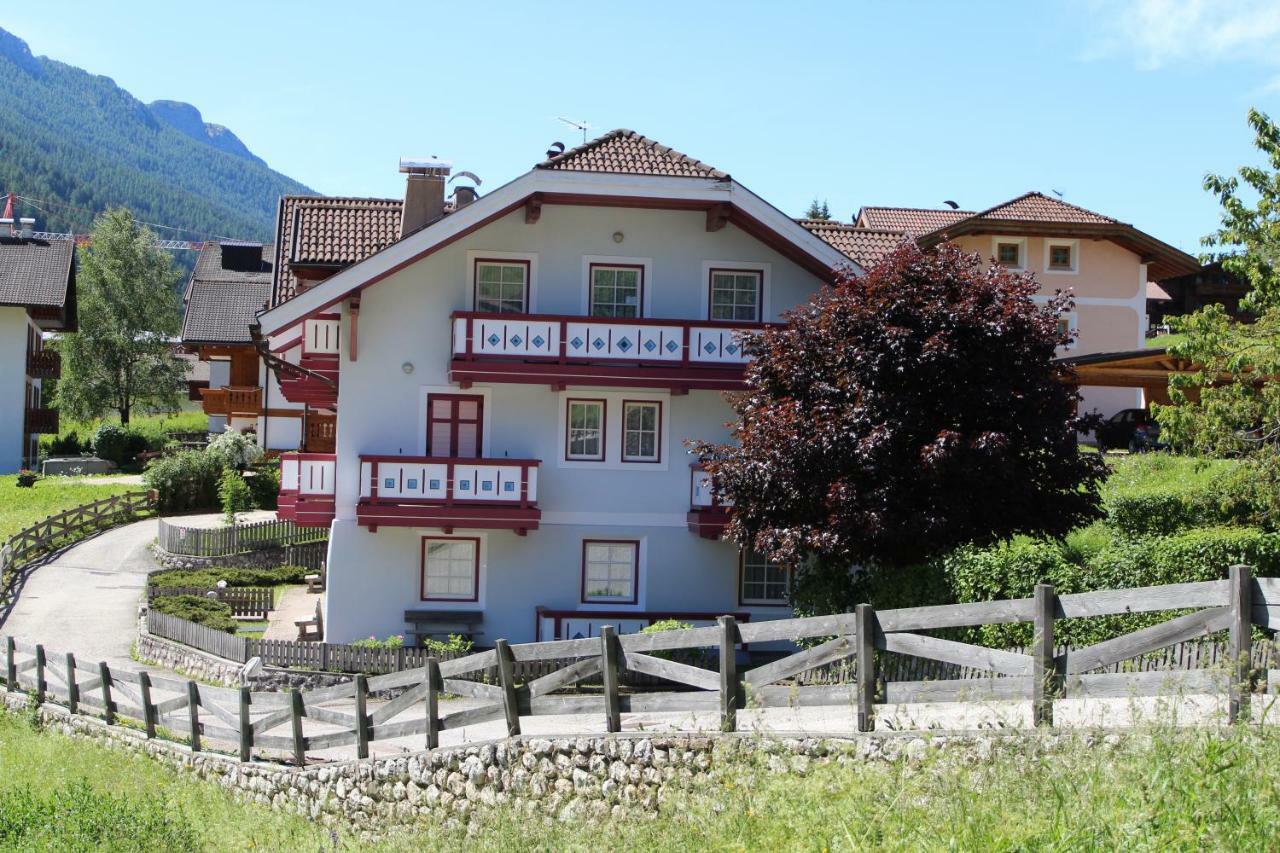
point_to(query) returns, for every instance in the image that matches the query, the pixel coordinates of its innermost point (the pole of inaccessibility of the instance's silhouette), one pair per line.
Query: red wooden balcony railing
(708, 514)
(307, 488)
(448, 493)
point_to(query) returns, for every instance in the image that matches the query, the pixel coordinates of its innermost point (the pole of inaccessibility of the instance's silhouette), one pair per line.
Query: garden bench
(315, 582)
(439, 624)
(311, 629)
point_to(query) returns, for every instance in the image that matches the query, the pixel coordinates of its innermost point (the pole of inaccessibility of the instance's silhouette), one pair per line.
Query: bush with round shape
(185, 481)
(195, 608)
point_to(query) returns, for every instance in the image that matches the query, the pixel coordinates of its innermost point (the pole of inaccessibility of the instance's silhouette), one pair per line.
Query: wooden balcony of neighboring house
(307, 488)
(448, 493)
(321, 434)
(44, 364)
(232, 401)
(317, 355)
(561, 350)
(708, 514)
(41, 421)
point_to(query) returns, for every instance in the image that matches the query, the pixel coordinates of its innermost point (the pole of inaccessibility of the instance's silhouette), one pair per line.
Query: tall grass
(22, 507)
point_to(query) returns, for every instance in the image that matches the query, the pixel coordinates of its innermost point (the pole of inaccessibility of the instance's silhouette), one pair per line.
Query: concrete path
(294, 606)
(85, 599)
(209, 520)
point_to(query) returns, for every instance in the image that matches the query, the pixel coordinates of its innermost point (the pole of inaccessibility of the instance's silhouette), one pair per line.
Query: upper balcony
(561, 350)
(307, 488)
(318, 344)
(44, 364)
(447, 493)
(708, 514)
(232, 401)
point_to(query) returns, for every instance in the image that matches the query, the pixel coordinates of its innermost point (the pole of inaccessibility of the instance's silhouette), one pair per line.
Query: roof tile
(35, 273)
(221, 304)
(910, 220)
(627, 152)
(866, 246)
(330, 232)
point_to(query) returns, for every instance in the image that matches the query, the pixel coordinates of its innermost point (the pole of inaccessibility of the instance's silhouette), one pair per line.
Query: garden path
(295, 605)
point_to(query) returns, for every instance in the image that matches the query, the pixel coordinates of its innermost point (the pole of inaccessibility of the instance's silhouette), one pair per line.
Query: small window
(641, 432)
(1067, 327)
(584, 422)
(735, 295)
(616, 291)
(502, 286)
(763, 581)
(450, 569)
(609, 571)
(1009, 254)
(1060, 257)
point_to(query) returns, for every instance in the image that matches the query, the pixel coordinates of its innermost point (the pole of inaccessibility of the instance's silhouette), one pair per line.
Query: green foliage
(185, 481)
(154, 428)
(118, 444)
(77, 817)
(66, 445)
(818, 210)
(232, 449)
(395, 641)
(264, 483)
(129, 311)
(22, 507)
(456, 646)
(196, 608)
(1155, 493)
(208, 578)
(693, 657)
(234, 493)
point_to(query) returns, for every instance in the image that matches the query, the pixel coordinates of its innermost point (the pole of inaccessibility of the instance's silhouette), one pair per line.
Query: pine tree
(818, 210)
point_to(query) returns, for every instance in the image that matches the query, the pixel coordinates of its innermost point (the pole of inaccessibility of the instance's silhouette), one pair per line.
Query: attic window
(1009, 255)
(1061, 255)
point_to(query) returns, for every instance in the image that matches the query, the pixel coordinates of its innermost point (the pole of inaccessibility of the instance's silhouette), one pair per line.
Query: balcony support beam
(533, 209)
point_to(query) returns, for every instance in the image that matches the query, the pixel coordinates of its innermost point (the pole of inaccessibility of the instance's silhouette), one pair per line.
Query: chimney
(27, 225)
(463, 196)
(423, 192)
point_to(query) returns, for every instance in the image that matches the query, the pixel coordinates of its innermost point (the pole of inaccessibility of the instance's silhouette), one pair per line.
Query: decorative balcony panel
(448, 493)
(232, 401)
(41, 421)
(708, 515)
(44, 364)
(307, 488)
(609, 351)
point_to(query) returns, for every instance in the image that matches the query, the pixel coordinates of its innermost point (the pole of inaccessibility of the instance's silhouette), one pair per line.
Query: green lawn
(1161, 790)
(153, 426)
(21, 508)
(1164, 340)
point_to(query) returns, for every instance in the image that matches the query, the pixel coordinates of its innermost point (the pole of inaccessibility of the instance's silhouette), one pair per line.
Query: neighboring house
(1107, 264)
(1186, 294)
(37, 294)
(516, 377)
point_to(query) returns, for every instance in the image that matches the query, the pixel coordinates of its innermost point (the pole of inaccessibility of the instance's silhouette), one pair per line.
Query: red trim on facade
(455, 421)
(568, 427)
(657, 439)
(635, 571)
(422, 574)
(591, 290)
(759, 273)
(475, 281)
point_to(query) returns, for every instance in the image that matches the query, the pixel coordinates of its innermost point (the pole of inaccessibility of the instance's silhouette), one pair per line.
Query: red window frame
(743, 601)
(657, 442)
(475, 280)
(635, 572)
(591, 289)
(422, 569)
(568, 427)
(711, 279)
(453, 432)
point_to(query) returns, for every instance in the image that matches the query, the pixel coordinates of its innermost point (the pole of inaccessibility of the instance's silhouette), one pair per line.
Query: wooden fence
(247, 719)
(243, 600)
(236, 539)
(58, 530)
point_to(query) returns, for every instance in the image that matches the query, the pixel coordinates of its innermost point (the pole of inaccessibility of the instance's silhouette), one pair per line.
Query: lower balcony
(41, 421)
(708, 515)
(447, 493)
(232, 401)
(306, 489)
(44, 364)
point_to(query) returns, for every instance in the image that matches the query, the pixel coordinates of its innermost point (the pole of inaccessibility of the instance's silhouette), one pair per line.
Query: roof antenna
(577, 125)
(951, 204)
(1058, 193)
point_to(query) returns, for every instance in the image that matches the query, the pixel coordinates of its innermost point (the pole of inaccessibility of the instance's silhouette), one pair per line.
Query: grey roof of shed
(221, 303)
(36, 273)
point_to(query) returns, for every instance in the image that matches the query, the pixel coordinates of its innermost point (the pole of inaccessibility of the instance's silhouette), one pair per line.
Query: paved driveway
(86, 599)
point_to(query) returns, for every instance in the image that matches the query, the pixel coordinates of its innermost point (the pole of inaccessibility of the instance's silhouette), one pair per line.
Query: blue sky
(1121, 106)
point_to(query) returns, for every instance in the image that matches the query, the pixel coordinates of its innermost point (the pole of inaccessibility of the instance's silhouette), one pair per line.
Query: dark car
(1132, 429)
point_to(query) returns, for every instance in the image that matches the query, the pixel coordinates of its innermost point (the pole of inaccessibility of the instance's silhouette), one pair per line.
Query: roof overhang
(1144, 368)
(746, 210)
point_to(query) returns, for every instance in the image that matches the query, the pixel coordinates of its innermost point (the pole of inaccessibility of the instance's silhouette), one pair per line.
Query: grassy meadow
(21, 508)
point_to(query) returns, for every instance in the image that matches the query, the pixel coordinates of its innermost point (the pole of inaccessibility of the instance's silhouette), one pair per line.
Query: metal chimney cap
(425, 166)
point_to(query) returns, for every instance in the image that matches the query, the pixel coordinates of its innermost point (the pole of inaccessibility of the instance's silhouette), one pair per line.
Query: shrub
(233, 449)
(208, 578)
(66, 445)
(118, 444)
(234, 493)
(456, 646)
(1155, 493)
(264, 483)
(693, 657)
(186, 481)
(195, 608)
(395, 641)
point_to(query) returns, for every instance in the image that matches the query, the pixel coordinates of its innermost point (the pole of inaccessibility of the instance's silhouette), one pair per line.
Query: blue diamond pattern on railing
(672, 346)
(576, 343)
(624, 344)
(464, 485)
(494, 340)
(434, 485)
(598, 343)
(732, 349)
(649, 345)
(516, 340)
(709, 347)
(413, 484)
(538, 341)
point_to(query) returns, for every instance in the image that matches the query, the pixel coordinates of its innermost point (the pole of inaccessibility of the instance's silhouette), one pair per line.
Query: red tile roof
(911, 220)
(336, 232)
(627, 152)
(864, 245)
(1037, 207)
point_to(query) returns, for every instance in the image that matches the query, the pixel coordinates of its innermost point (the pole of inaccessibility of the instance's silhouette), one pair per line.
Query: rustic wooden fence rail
(245, 720)
(65, 527)
(243, 600)
(235, 539)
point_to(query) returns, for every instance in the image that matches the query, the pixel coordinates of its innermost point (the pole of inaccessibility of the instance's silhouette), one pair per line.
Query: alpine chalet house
(515, 378)
(1107, 264)
(37, 294)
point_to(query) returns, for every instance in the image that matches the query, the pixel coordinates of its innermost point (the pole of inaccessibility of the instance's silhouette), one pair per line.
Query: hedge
(195, 608)
(208, 578)
(1162, 494)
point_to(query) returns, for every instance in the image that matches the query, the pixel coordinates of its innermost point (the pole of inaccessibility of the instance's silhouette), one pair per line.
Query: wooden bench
(439, 624)
(311, 629)
(315, 582)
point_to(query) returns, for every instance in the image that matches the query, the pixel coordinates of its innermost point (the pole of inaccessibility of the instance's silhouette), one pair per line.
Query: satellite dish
(556, 149)
(951, 204)
(472, 175)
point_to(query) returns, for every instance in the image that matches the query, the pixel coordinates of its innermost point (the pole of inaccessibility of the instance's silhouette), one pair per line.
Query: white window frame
(481, 558)
(531, 287)
(657, 438)
(1022, 252)
(633, 599)
(743, 557)
(612, 429)
(603, 405)
(1073, 245)
(766, 286)
(646, 286)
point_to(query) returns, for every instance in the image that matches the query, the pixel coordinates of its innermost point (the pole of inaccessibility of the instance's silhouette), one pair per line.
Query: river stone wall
(266, 558)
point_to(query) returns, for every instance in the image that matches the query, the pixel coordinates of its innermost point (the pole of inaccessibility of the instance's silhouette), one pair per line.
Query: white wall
(278, 433)
(13, 377)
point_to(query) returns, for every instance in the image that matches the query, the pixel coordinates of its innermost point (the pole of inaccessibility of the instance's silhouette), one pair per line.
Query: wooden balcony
(447, 493)
(564, 350)
(316, 384)
(307, 488)
(232, 401)
(708, 515)
(44, 364)
(41, 421)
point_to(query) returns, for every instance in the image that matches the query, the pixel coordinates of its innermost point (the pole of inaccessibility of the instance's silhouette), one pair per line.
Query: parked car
(1133, 429)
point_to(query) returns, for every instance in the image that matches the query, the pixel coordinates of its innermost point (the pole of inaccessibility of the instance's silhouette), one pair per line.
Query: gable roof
(329, 232)
(866, 246)
(626, 152)
(222, 303)
(909, 220)
(1038, 207)
(36, 273)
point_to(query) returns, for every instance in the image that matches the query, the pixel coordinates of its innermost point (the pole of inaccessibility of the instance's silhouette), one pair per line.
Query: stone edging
(264, 558)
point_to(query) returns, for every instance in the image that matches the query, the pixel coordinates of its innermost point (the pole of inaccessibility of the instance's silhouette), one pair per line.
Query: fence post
(609, 668)
(324, 656)
(728, 673)
(108, 710)
(434, 682)
(507, 680)
(864, 626)
(299, 742)
(246, 727)
(1044, 680)
(148, 709)
(10, 665)
(362, 718)
(1240, 643)
(41, 685)
(400, 655)
(193, 714)
(73, 692)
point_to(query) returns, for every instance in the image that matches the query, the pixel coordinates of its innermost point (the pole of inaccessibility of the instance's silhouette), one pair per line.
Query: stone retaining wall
(585, 777)
(266, 558)
(203, 666)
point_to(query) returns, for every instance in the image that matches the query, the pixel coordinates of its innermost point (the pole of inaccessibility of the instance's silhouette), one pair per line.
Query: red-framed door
(455, 425)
